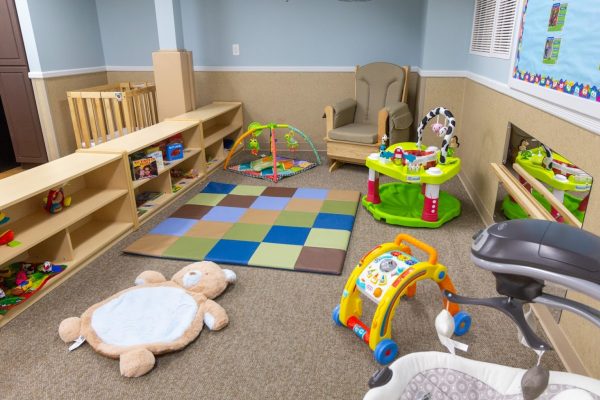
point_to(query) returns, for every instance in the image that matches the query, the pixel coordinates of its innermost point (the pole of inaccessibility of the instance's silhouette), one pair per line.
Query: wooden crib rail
(101, 113)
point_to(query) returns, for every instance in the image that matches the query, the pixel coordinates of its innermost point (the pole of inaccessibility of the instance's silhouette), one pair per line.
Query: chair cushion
(378, 85)
(357, 133)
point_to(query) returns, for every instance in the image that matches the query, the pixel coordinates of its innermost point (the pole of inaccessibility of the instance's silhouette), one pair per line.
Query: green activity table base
(402, 204)
(512, 210)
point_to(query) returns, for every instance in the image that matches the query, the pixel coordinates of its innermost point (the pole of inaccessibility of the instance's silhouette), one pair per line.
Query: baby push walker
(385, 275)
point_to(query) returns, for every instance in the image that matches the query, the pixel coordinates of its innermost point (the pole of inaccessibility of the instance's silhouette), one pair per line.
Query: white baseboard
(65, 72)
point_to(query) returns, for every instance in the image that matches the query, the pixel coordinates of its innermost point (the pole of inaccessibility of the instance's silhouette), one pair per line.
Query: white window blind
(493, 27)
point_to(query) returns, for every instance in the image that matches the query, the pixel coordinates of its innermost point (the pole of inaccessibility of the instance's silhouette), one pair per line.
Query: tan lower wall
(295, 98)
(483, 126)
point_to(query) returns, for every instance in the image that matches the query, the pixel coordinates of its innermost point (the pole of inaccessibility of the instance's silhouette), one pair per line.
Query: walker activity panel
(385, 275)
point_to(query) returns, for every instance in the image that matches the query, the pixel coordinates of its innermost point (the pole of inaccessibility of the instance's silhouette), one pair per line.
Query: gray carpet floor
(281, 342)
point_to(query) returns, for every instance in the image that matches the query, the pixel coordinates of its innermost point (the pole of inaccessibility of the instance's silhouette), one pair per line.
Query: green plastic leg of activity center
(402, 204)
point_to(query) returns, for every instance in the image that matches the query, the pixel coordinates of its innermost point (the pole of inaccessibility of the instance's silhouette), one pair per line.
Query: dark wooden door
(16, 91)
(12, 51)
(21, 115)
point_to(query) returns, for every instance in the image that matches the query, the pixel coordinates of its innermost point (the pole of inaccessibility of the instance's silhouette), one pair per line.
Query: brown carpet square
(343, 195)
(235, 200)
(209, 229)
(261, 217)
(326, 261)
(274, 191)
(191, 211)
(306, 205)
(152, 245)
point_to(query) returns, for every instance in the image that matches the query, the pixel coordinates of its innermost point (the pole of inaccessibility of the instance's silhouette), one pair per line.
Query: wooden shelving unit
(218, 122)
(101, 212)
(193, 158)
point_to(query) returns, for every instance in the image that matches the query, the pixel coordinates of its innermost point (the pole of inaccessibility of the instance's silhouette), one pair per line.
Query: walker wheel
(462, 323)
(385, 351)
(335, 315)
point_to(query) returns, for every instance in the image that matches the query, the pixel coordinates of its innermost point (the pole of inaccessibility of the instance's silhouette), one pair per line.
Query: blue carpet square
(334, 221)
(218, 188)
(306, 193)
(174, 226)
(224, 214)
(232, 252)
(270, 203)
(287, 235)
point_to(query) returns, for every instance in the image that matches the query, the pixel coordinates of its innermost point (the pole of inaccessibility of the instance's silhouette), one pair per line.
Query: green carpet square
(247, 190)
(339, 207)
(206, 199)
(296, 218)
(328, 238)
(276, 255)
(190, 248)
(247, 232)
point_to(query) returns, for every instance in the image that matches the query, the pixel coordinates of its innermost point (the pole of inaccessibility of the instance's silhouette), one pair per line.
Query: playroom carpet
(281, 343)
(301, 229)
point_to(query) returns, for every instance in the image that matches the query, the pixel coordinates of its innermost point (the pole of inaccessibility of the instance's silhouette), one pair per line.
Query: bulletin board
(558, 53)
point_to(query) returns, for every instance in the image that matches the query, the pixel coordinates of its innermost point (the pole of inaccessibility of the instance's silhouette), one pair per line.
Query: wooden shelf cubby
(218, 122)
(102, 211)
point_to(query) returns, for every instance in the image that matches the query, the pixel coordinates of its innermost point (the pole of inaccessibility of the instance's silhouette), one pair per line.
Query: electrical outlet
(235, 49)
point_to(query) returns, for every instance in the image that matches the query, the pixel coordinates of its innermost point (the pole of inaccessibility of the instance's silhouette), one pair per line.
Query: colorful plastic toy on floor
(272, 167)
(416, 200)
(385, 275)
(556, 172)
(523, 255)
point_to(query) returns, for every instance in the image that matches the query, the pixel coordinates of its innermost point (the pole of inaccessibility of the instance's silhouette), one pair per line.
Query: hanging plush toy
(56, 200)
(253, 146)
(292, 143)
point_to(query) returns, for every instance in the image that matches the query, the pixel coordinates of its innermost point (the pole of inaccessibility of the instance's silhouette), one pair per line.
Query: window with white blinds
(493, 27)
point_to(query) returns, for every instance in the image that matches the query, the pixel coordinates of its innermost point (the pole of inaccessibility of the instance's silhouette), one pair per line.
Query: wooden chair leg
(335, 165)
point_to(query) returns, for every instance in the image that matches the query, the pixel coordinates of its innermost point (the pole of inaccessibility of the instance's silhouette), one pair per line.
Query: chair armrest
(400, 116)
(340, 114)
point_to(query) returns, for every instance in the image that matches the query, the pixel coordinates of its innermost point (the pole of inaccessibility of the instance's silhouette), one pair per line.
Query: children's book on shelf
(144, 168)
(144, 197)
(158, 156)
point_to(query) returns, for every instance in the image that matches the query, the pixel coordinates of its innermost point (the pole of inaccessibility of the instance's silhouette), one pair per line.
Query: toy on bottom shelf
(272, 167)
(416, 200)
(19, 281)
(556, 172)
(385, 275)
(56, 200)
(155, 317)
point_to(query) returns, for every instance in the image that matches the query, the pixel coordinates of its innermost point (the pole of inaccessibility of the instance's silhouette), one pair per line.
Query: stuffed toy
(154, 317)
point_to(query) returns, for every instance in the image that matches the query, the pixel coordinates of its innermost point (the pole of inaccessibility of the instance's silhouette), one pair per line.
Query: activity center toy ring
(385, 275)
(405, 203)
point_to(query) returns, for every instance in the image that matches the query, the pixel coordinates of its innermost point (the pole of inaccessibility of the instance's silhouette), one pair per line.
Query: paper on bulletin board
(558, 53)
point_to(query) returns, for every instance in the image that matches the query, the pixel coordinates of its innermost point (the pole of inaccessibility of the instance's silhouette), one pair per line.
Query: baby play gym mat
(300, 229)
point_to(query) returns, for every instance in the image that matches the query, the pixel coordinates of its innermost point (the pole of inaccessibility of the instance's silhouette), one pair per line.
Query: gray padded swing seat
(544, 245)
(357, 133)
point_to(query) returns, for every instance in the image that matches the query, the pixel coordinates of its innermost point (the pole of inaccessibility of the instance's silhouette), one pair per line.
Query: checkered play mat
(299, 229)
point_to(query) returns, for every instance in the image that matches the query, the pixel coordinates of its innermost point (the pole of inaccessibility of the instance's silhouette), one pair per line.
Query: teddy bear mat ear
(230, 275)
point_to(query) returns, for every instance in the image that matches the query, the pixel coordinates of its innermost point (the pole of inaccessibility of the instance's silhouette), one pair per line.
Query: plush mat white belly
(145, 315)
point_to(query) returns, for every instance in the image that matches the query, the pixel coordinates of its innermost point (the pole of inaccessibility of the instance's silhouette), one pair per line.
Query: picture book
(144, 168)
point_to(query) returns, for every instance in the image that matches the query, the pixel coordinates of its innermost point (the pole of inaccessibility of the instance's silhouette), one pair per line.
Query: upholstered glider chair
(355, 126)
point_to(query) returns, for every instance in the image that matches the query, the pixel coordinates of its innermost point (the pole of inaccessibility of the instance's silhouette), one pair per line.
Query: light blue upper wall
(128, 31)
(303, 32)
(447, 34)
(67, 34)
(497, 69)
